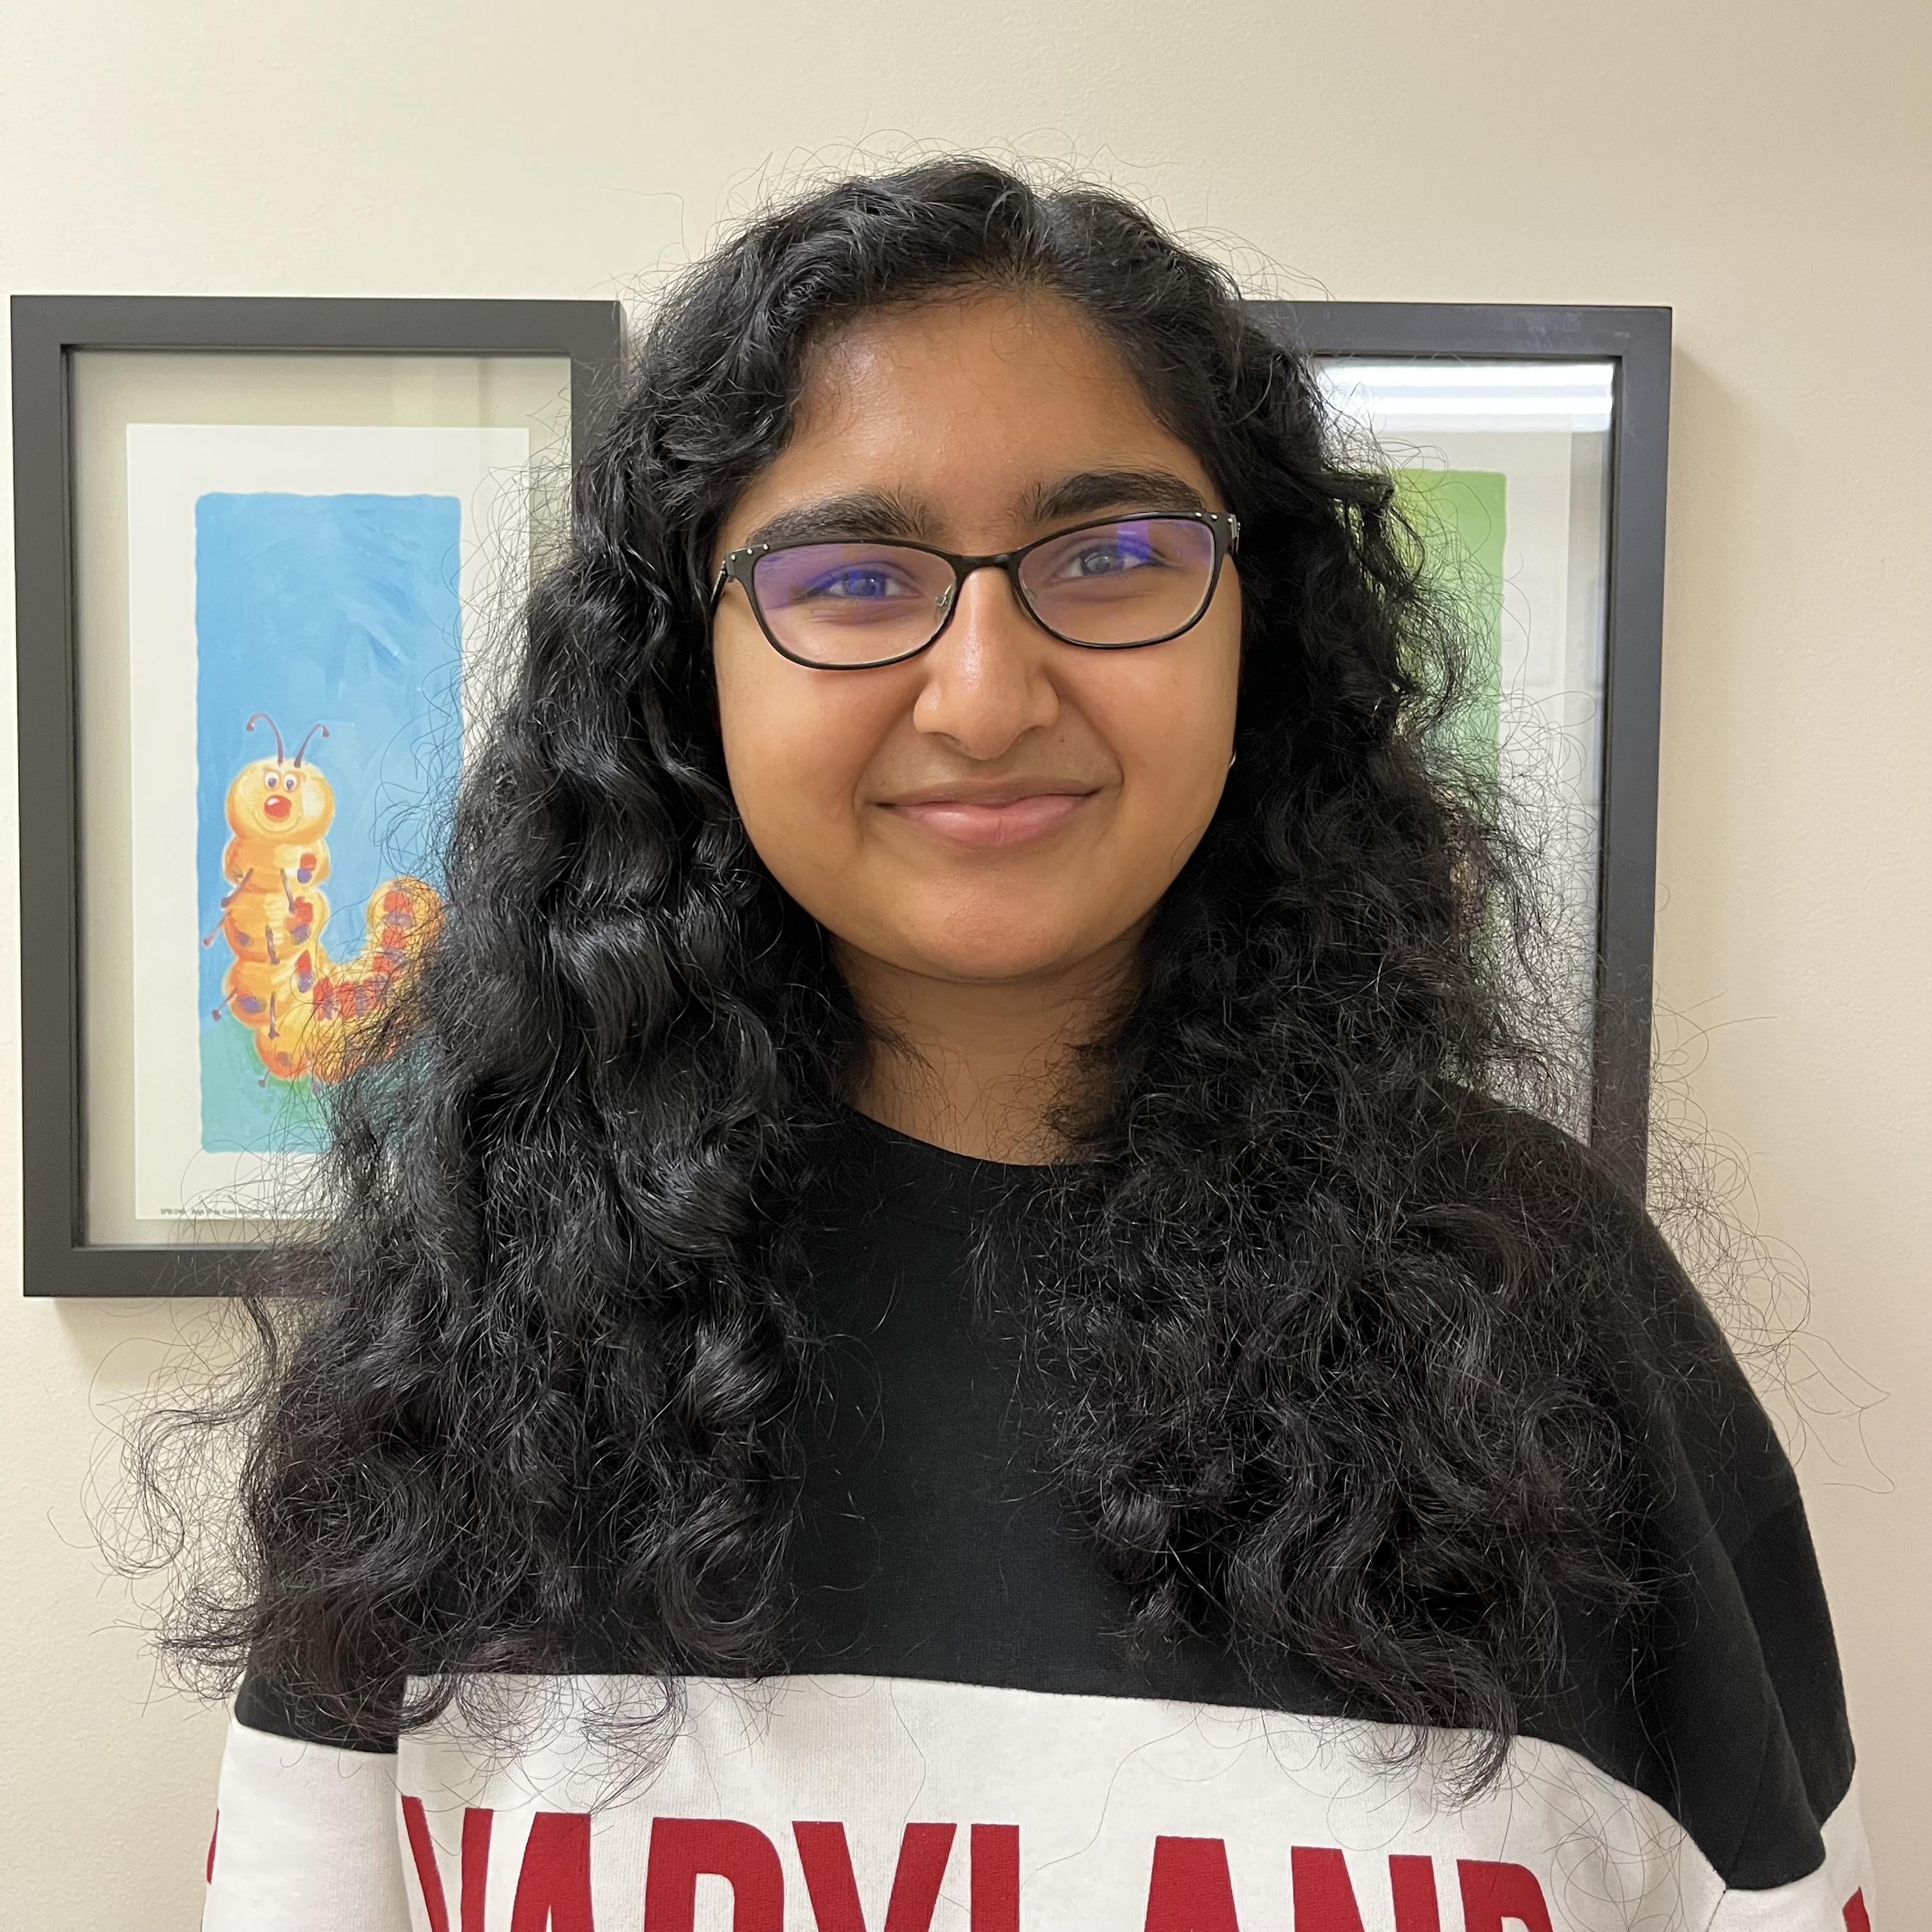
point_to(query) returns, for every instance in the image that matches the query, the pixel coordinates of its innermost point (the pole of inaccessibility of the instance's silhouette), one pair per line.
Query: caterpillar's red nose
(275, 806)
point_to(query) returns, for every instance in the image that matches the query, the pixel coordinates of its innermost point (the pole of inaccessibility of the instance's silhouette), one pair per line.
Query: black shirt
(1708, 1771)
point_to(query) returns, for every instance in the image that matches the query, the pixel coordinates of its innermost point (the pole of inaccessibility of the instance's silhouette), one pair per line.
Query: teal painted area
(340, 611)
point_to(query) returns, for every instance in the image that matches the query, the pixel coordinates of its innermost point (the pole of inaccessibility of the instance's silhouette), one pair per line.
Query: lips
(1006, 816)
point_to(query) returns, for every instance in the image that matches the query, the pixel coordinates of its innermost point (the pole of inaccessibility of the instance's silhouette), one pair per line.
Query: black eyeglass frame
(1223, 525)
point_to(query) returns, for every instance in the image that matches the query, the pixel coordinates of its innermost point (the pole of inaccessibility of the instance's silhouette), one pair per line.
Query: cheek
(1171, 722)
(796, 743)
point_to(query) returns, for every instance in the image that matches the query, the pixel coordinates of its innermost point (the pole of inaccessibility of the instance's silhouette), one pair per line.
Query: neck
(980, 1067)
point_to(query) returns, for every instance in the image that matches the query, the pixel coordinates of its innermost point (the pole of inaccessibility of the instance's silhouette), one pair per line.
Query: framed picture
(1529, 448)
(262, 548)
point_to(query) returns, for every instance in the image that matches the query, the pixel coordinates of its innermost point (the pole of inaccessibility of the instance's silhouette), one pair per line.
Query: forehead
(966, 403)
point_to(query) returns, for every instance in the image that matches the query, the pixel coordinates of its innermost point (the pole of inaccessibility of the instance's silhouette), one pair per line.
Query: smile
(1006, 822)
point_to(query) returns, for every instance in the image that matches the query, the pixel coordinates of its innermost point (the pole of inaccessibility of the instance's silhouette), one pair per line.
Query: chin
(1001, 952)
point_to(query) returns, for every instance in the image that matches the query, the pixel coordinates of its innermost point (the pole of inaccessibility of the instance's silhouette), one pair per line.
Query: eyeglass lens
(1113, 585)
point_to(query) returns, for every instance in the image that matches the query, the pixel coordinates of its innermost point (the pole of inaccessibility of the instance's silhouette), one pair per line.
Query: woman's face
(1004, 806)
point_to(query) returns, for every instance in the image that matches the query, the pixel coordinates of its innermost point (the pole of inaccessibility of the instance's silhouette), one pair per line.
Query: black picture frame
(47, 331)
(1636, 342)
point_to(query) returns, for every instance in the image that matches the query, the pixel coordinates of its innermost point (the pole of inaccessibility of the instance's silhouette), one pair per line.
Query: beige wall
(1765, 169)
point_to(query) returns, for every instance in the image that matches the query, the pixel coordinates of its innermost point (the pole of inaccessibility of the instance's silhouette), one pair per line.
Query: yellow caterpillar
(300, 1004)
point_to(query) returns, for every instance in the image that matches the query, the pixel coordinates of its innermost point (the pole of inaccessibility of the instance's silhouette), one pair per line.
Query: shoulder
(270, 1706)
(1597, 1264)
(1606, 1266)
(1735, 1703)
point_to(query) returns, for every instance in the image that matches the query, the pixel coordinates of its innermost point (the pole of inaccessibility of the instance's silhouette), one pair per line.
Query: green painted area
(1461, 517)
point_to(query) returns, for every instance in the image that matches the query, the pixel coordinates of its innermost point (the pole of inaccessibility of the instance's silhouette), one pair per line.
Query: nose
(988, 680)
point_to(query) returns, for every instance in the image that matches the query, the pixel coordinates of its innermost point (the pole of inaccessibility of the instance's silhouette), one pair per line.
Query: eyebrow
(862, 514)
(1093, 489)
(874, 515)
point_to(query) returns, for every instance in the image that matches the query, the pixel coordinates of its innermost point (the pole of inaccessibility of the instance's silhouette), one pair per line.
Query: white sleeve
(306, 1839)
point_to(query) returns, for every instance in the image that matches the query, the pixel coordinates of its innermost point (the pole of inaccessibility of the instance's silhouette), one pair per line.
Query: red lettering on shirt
(1857, 1919)
(834, 1889)
(1324, 1900)
(685, 1849)
(429, 1879)
(1189, 1889)
(1492, 1894)
(554, 1886)
(475, 1867)
(216, 1832)
(995, 1855)
(1412, 1886)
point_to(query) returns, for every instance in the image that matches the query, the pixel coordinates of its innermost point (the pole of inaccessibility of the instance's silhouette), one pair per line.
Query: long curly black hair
(1318, 1317)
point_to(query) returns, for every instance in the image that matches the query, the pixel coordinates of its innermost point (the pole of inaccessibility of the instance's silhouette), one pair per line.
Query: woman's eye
(1113, 558)
(860, 582)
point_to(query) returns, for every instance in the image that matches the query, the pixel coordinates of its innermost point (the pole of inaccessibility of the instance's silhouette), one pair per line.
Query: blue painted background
(342, 611)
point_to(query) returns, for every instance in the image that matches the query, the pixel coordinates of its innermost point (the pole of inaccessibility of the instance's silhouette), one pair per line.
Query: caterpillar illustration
(299, 1003)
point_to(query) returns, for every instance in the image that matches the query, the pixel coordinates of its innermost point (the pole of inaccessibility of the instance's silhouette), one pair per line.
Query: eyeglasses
(1112, 586)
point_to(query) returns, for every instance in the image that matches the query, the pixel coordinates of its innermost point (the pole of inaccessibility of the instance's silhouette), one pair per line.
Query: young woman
(936, 1320)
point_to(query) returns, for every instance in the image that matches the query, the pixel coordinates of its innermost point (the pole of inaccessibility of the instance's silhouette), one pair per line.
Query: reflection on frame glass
(1503, 469)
